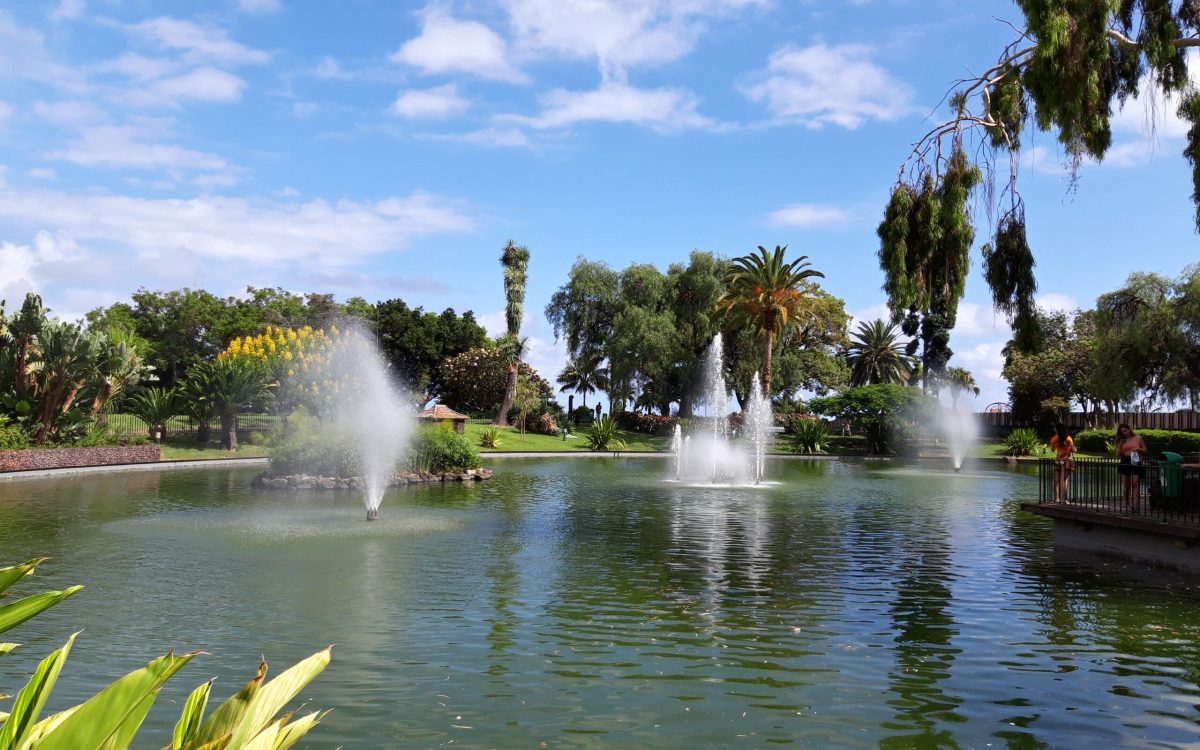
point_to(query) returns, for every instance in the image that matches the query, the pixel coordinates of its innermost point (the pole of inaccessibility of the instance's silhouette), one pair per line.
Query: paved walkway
(156, 466)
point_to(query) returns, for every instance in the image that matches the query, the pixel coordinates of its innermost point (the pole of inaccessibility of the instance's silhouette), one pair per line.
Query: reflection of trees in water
(924, 631)
(1106, 616)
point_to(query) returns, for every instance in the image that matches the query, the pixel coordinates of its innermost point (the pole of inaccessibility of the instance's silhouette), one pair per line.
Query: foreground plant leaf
(32, 698)
(192, 717)
(12, 615)
(14, 573)
(110, 718)
(275, 695)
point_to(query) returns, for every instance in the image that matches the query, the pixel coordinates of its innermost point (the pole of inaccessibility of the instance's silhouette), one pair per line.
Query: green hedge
(1093, 441)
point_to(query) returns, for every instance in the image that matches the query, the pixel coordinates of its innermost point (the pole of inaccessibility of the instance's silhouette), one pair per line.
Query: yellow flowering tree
(300, 363)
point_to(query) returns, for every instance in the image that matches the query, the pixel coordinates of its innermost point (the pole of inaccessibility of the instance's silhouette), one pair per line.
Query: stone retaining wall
(307, 482)
(65, 458)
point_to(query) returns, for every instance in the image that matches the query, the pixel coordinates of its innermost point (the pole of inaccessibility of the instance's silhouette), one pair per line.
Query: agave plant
(808, 436)
(602, 435)
(489, 437)
(111, 719)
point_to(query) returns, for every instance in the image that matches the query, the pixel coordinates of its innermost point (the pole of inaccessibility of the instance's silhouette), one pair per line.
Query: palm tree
(155, 407)
(875, 357)
(237, 383)
(195, 398)
(515, 261)
(767, 293)
(584, 375)
(958, 380)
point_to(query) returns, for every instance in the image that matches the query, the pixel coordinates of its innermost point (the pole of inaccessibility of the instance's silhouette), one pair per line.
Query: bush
(794, 423)
(543, 424)
(256, 438)
(602, 435)
(645, 424)
(1023, 441)
(808, 436)
(489, 437)
(314, 453)
(13, 438)
(439, 448)
(1176, 441)
(582, 416)
(474, 381)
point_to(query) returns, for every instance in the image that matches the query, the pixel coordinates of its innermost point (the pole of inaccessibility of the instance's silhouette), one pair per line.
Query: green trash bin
(1171, 466)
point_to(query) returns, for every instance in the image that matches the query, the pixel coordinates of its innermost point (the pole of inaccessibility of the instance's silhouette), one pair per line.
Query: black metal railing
(1164, 492)
(180, 425)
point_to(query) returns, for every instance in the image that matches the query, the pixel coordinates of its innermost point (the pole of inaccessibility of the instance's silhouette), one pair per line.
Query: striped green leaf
(275, 695)
(27, 707)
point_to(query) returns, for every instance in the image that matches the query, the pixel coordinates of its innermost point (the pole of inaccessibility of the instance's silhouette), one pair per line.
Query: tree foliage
(767, 294)
(515, 262)
(880, 411)
(415, 342)
(56, 377)
(876, 357)
(1070, 68)
(475, 381)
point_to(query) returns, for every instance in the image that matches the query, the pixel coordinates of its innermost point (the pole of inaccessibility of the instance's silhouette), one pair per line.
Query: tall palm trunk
(510, 395)
(768, 362)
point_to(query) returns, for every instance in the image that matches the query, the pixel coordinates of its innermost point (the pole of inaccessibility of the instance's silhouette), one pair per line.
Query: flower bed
(66, 458)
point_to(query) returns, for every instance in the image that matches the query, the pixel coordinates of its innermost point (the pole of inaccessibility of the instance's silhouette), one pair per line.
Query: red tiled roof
(441, 411)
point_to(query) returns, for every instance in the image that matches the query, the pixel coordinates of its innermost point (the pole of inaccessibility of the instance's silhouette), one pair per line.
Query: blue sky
(389, 149)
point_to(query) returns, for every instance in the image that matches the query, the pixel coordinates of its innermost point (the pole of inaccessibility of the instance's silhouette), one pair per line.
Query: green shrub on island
(112, 717)
(1175, 441)
(1022, 441)
(439, 448)
(311, 452)
(808, 436)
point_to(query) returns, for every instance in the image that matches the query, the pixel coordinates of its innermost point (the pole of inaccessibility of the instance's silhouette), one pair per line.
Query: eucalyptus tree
(876, 357)
(581, 311)
(515, 261)
(766, 293)
(925, 253)
(1071, 66)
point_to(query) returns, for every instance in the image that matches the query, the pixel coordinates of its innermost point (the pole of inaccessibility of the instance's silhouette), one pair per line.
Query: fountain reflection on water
(712, 455)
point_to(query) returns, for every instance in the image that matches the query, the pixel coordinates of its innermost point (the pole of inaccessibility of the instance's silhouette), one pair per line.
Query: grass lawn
(511, 440)
(185, 447)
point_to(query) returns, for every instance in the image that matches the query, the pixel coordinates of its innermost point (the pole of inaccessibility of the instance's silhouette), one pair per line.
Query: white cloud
(805, 215)
(448, 45)
(69, 112)
(1057, 301)
(42, 173)
(974, 321)
(67, 10)
(6, 111)
(329, 68)
(137, 67)
(126, 146)
(828, 85)
(259, 6)
(28, 268)
(237, 230)
(663, 109)
(23, 55)
(440, 102)
(303, 110)
(197, 42)
(618, 34)
(204, 84)
(499, 137)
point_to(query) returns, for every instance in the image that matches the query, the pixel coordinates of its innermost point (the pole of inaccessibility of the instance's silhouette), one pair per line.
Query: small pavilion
(443, 413)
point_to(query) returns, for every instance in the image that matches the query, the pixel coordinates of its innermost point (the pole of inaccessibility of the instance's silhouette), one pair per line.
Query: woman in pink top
(1131, 455)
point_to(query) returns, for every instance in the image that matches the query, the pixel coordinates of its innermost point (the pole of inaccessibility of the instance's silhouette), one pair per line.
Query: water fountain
(711, 455)
(962, 431)
(372, 416)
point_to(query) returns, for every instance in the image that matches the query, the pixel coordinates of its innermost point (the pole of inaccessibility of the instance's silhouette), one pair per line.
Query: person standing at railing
(1064, 461)
(1131, 453)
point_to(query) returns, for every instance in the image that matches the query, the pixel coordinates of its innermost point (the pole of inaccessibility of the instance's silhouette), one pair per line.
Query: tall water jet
(962, 431)
(372, 415)
(711, 454)
(677, 449)
(758, 427)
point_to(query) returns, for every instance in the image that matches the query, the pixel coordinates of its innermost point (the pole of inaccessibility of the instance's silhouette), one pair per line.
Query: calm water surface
(586, 604)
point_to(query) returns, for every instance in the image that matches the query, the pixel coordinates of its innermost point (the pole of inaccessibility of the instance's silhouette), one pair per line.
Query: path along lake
(587, 603)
